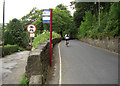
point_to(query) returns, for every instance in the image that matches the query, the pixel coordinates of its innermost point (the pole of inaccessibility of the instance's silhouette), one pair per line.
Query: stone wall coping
(35, 52)
(35, 79)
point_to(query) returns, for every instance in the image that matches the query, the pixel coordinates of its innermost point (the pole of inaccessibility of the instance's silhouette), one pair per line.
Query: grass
(24, 81)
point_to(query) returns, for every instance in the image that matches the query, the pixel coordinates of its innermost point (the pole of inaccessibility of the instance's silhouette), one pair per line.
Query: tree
(62, 20)
(16, 33)
(82, 7)
(87, 25)
(112, 28)
(33, 17)
(108, 23)
(62, 7)
(39, 25)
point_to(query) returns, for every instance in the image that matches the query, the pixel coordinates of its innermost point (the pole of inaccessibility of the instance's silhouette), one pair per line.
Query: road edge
(60, 72)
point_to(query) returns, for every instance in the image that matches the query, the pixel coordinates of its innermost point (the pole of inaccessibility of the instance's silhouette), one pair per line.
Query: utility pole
(99, 11)
(3, 28)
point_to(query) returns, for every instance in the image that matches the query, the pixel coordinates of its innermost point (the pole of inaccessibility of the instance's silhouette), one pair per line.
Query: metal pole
(3, 28)
(50, 37)
(31, 43)
(99, 12)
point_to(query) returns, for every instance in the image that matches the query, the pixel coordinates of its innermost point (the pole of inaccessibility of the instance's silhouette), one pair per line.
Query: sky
(19, 8)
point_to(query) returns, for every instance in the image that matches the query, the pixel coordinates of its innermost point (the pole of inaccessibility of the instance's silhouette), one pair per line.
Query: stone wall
(38, 63)
(112, 44)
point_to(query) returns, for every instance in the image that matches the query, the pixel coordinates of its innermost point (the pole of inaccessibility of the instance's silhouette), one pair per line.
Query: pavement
(12, 67)
(54, 76)
(85, 64)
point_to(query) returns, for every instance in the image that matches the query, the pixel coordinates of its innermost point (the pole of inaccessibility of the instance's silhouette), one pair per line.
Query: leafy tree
(39, 25)
(8, 38)
(62, 20)
(33, 17)
(82, 7)
(62, 7)
(108, 23)
(16, 33)
(112, 24)
(88, 25)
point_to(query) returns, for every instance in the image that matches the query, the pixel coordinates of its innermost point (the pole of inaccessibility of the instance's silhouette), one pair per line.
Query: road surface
(85, 64)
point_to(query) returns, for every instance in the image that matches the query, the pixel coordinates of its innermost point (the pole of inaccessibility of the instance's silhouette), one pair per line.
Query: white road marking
(60, 65)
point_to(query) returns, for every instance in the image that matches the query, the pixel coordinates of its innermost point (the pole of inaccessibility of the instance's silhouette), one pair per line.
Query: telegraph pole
(3, 28)
(99, 11)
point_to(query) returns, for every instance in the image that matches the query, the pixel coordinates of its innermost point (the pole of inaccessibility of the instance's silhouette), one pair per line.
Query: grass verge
(24, 81)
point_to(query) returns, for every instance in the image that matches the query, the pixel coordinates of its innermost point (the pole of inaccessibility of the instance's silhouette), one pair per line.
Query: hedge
(9, 49)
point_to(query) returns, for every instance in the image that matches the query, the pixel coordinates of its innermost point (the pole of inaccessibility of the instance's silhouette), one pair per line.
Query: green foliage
(112, 23)
(9, 49)
(82, 7)
(86, 28)
(15, 33)
(55, 35)
(24, 81)
(108, 24)
(62, 7)
(62, 21)
(44, 37)
(8, 38)
(39, 25)
(33, 17)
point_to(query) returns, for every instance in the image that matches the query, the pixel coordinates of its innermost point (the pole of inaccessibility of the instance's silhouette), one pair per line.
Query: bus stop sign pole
(47, 19)
(50, 37)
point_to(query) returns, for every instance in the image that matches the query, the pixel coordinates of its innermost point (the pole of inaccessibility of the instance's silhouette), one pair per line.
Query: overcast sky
(19, 8)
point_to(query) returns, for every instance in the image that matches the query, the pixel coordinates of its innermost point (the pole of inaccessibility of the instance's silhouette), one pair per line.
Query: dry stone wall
(112, 44)
(38, 63)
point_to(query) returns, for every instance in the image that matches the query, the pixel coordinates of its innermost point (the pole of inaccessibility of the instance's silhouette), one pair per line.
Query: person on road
(66, 38)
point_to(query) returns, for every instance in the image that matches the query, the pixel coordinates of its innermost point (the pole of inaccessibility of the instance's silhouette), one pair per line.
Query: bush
(44, 37)
(9, 49)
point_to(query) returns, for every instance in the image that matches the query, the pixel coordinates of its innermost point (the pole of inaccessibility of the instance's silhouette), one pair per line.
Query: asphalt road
(84, 64)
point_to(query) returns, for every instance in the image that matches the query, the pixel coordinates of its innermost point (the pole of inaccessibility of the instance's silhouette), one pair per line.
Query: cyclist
(67, 39)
